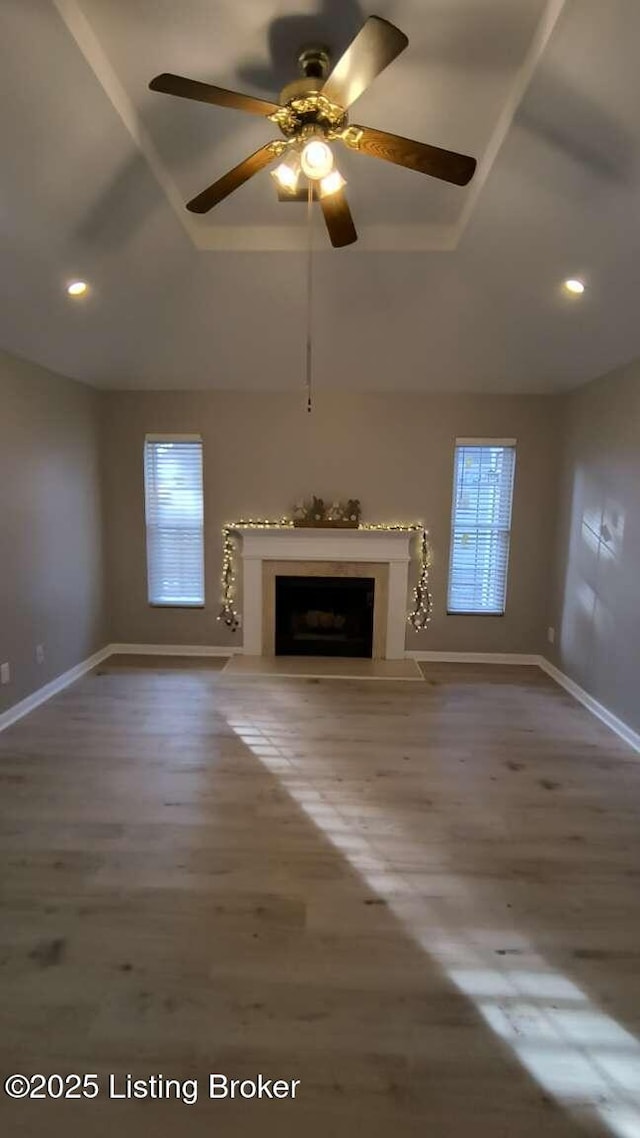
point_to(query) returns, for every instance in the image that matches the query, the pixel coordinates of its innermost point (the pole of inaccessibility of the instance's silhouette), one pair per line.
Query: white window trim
(511, 443)
(173, 438)
(166, 437)
(486, 442)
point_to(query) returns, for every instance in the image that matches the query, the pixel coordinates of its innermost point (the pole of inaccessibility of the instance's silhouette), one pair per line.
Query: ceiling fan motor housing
(314, 62)
(305, 110)
(300, 89)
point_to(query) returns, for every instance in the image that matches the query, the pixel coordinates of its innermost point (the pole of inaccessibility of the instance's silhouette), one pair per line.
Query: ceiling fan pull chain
(309, 292)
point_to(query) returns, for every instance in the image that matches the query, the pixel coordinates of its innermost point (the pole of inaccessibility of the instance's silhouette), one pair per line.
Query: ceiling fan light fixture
(287, 174)
(312, 112)
(316, 159)
(332, 183)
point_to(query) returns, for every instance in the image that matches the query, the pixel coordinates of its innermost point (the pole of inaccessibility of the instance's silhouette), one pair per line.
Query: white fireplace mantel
(390, 548)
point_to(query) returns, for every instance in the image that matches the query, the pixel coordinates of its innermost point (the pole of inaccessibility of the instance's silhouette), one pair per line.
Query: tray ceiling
(447, 289)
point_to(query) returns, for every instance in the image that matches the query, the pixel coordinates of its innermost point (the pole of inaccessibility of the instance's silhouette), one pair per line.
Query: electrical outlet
(40, 653)
(5, 674)
(551, 635)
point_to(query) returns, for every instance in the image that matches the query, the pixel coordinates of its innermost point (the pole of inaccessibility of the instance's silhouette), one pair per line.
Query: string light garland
(228, 614)
(420, 614)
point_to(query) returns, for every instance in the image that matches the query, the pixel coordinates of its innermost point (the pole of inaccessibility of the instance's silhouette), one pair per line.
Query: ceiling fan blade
(337, 216)
(231, 180)
(443, 164)
(205, 93)
(376, 46)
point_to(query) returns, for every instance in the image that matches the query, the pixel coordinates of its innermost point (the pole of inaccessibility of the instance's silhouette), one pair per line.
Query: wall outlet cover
(40, 653)
(5, 674)
(551, 635)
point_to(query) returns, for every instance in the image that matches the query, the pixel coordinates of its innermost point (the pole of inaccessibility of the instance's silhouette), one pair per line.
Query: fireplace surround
(381, 557)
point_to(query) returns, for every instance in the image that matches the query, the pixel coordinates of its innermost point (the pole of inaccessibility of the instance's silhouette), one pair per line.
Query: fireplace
(324, 616)
(380, 557)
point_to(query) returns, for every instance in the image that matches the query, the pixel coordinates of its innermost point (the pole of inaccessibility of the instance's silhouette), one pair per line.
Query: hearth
(324, 616)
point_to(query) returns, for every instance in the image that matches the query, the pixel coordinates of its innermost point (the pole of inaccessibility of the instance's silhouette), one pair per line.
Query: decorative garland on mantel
(420, 614)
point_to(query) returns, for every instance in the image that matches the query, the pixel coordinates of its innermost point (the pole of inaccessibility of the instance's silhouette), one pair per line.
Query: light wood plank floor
(421, 900)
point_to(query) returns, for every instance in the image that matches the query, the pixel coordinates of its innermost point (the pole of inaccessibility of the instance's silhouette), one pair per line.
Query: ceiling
(448, 289)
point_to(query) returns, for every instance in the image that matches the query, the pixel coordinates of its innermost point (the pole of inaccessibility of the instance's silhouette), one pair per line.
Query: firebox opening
(324, 616)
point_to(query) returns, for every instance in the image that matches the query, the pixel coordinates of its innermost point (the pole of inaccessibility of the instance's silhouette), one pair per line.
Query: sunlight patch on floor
(578, 1054)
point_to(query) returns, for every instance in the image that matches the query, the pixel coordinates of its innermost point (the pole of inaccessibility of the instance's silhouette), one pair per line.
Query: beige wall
(262, 452)
(51, 582)
(578, 476)
(597, 612)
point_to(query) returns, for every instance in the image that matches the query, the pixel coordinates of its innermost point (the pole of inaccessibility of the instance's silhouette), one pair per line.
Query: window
(481, 525)
(174, 515)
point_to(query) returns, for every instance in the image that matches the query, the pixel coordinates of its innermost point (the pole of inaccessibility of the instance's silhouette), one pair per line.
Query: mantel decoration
(331, 517)
(339, 515)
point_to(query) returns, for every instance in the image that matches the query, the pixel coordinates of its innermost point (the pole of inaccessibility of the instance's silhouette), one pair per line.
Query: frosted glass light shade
(316, 159)
(287, 174)
(332, 183)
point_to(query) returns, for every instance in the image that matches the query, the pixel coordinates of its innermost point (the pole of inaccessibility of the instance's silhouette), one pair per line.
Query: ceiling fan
(311, 114)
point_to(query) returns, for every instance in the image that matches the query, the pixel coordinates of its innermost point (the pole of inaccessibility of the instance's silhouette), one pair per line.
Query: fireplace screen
(324, 616)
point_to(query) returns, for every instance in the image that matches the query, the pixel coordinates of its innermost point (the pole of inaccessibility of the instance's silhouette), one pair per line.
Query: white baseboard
(631, 737)
(474, 657)
(170, 650)
(19, 710)
(624, 732)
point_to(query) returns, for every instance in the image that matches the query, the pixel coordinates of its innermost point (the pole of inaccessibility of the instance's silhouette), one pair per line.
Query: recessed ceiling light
(77, 288)
(574, 286)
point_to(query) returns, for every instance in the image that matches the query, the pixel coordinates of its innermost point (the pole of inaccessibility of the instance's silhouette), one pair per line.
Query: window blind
(481, 526)
(174, 517)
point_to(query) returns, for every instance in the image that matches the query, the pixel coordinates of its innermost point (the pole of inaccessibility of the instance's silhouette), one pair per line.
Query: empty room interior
(319, 568)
